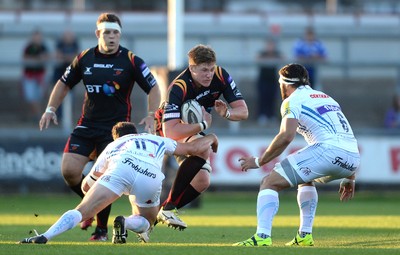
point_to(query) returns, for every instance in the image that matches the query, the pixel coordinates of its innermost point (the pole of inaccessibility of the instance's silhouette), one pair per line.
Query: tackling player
(130, 165)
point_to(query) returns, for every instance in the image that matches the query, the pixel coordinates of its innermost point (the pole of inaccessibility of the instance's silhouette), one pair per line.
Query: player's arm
(200, 147)
(154, 99)
(177, 130)
(280, 142)
(237, 110)
(153, 102)
(146, 81)
(57, 95)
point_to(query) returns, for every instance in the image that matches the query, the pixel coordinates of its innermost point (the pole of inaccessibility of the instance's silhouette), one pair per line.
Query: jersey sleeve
(290, 109)
(142, 73)
(73, 73)
(170, 145)
(176, 95)
(231, 92)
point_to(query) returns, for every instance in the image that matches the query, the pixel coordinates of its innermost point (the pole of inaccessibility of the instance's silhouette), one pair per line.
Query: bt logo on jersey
(108, 88)
(93, 88)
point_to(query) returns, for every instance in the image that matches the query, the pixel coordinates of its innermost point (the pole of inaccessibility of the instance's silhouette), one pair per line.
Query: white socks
(67, 221)
(267, 207)
(72, 218)
(137, 223)
(307, 199)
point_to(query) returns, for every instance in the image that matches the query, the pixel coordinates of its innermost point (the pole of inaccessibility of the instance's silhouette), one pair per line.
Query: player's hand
(47, 117)
(247, 163)
(220, 107)
(148, 121)
(346, 189)
(214, 145)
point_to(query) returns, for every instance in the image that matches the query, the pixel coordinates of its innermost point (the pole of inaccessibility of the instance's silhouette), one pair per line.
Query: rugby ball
(191, 112)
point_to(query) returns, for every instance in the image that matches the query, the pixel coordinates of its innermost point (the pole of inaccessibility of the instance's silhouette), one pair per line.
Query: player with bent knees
(332, 153)
(130, 165)
(205, 82)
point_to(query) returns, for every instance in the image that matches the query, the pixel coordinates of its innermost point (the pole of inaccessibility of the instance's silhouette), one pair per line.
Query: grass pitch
(369, 224)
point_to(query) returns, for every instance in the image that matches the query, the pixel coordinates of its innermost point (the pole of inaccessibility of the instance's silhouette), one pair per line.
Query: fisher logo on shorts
(344, 164)
(138, 169)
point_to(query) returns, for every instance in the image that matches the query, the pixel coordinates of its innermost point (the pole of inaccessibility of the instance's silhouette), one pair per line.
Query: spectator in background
(392, 117)
(267, 83)
(308, 51)
(67, 47)
(35, 55)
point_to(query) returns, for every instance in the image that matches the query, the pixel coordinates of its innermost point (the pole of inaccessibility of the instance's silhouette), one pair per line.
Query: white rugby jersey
(320, 118)
(145, 147)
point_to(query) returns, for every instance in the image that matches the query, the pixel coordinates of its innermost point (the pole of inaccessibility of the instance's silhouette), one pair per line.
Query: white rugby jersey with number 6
(320, 118)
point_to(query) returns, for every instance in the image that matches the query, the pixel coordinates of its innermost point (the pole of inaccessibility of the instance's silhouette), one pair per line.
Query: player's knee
(74, 162)
(71, 176)
(201, 182)
(275, 182)
(71, 170)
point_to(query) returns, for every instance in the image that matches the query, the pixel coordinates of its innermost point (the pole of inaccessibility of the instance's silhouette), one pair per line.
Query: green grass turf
(369, 224)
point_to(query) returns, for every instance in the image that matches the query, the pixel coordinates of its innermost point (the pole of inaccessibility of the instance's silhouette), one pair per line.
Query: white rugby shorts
(318, 162)
(135, 177)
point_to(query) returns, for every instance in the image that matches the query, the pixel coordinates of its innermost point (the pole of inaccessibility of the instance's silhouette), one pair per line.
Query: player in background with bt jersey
(332, 153)
(108, 72)
(204, 81)
(131, 165)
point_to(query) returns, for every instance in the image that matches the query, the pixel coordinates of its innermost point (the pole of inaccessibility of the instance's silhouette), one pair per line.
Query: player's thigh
(147, 187)
(276, 180)
(135, 208)
(72, 164)
(97, 198)
(78, 148)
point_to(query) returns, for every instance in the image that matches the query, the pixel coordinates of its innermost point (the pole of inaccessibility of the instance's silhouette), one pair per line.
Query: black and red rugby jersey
(183, 89)
(108, 80)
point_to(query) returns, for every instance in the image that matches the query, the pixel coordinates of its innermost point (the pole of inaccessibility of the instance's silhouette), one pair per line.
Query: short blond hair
(201, 54)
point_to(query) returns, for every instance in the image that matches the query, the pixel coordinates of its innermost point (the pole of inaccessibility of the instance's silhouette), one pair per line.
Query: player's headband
(290, 81)
(109, 25)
